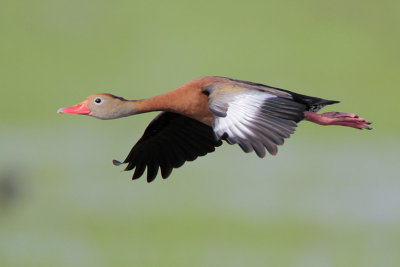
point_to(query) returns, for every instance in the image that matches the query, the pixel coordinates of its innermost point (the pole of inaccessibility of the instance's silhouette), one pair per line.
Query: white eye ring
(98, 100)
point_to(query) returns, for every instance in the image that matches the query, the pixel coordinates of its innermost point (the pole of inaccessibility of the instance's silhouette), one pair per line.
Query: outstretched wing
(168, 142)
(253, 119)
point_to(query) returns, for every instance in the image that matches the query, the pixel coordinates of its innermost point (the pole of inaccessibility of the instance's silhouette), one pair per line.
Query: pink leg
(337, 118)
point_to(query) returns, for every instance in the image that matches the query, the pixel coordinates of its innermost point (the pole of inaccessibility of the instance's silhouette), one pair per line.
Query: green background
(331, 197)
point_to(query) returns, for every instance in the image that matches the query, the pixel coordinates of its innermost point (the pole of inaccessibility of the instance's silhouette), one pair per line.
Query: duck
(196, 117)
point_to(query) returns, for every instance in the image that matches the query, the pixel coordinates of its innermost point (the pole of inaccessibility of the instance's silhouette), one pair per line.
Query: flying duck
(198, 115)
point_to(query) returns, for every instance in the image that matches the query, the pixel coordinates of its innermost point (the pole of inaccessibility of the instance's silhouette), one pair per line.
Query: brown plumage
(198, 115)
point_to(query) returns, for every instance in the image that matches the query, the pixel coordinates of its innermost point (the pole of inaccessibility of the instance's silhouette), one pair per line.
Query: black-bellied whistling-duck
(199, 114)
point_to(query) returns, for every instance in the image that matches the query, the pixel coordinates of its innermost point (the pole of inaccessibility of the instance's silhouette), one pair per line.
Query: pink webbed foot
(338, 118)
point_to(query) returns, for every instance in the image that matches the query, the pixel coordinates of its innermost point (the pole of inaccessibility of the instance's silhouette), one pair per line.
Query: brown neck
(156, 103)
(188, 100)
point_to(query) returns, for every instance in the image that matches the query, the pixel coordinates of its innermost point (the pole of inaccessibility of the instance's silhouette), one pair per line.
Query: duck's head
(102, 106)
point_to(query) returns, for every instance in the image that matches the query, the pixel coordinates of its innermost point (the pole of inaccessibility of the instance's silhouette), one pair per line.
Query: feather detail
(254, 119)
(168, 142)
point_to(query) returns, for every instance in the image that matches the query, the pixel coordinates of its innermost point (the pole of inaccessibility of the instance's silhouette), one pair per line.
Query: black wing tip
(150, 179)
(165, 173)
(177, 138)
(116, 162)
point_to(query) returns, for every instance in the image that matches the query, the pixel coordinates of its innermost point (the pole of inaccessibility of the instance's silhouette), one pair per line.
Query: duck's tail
(313, 103)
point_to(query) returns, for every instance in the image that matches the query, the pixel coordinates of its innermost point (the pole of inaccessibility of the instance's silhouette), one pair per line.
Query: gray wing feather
(253, 119)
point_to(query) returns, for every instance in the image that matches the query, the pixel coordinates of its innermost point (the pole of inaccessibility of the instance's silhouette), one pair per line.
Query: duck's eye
(98, 100)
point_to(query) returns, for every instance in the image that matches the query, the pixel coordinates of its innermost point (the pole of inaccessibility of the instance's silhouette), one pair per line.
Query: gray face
(106, 106)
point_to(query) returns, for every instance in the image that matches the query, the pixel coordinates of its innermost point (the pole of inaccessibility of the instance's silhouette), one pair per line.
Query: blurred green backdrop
(330, 198)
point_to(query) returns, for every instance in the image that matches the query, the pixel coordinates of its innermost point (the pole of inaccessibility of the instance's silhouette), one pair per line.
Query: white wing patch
(243, 107)
(254, 119)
